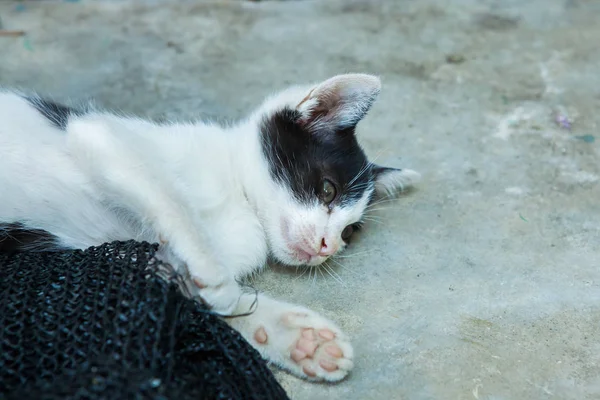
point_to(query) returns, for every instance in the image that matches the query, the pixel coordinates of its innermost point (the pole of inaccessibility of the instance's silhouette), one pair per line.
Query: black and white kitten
(290, 181)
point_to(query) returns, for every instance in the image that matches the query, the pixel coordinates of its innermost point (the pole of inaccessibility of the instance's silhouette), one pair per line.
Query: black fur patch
(57, 114)
(17, 237)
(301, 159)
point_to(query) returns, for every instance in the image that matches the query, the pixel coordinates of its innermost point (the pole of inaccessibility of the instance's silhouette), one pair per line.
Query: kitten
(290, 181)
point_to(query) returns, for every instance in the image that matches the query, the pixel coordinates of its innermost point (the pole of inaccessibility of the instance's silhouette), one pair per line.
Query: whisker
(362, 186)
(346, 268)
(333, 274)
(324, 265)
(377, 209)
(355, 254)
(378, 203)
(383, 200)
(376, 221)
(302, 274)
(360, 172)
(374, 216)
(364, 169)
(321, 271)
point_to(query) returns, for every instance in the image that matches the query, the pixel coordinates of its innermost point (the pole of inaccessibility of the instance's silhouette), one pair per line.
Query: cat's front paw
(320, 350)
(221, 296)
(296, 338)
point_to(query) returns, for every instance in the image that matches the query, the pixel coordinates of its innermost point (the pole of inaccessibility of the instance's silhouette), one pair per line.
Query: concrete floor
(482, 284)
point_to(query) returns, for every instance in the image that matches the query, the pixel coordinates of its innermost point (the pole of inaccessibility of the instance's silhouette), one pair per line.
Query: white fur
(203, 191)
(284, 323)
(393, 181)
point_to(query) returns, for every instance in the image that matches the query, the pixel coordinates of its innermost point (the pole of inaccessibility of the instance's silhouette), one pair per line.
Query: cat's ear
(391, 181)
(339, 102)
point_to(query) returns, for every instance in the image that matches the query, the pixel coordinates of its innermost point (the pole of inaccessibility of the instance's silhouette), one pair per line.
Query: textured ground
(484, 283)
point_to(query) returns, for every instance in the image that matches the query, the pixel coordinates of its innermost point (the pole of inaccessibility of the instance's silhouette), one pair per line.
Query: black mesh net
(105, 324)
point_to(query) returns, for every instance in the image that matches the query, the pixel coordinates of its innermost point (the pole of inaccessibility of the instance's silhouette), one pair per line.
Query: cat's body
(200, 166)
(288, 182)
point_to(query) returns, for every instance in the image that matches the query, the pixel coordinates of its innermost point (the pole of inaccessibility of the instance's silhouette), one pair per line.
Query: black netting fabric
(105, 324)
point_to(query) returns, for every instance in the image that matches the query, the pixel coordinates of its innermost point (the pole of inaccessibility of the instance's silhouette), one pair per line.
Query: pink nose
(326, 250)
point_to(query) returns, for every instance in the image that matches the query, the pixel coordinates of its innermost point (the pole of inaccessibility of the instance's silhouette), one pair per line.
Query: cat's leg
(122, 176)
(295, 338)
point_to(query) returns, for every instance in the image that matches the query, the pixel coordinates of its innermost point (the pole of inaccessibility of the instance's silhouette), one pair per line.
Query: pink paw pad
(261, 335)
(314, 349)
(199, 283)
(328, 365)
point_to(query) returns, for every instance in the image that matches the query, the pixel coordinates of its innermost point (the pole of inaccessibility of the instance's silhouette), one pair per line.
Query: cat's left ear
(391, 181)
(339, 102)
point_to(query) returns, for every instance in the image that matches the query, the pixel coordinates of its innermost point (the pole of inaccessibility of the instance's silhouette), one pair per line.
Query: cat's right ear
(339, 102)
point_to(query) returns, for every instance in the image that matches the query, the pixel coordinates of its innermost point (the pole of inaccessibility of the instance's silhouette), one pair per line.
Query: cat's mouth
(306, 256)
(301, 251)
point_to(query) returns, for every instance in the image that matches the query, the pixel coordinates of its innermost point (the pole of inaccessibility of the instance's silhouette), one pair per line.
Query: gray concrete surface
(482, 284)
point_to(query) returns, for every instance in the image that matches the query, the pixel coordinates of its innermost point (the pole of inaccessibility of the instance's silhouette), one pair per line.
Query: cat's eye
(347, 232)
(327, 191)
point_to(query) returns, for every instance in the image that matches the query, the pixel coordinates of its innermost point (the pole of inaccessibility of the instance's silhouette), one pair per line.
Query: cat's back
(40, 184)
(32, 137)
(34, 162)
(28, 120)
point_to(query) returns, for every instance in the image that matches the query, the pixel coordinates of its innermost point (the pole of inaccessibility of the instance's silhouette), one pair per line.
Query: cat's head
(321, 179)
